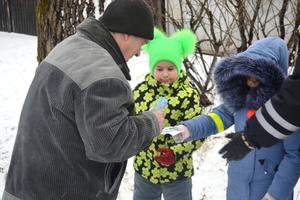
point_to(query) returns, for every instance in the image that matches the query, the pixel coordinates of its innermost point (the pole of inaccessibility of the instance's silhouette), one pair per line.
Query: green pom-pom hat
(172, 49)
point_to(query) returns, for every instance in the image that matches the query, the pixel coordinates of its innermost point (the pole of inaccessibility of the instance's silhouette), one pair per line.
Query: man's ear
(126, 37)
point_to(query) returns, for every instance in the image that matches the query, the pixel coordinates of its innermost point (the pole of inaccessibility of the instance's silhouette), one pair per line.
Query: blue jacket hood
(266, 60)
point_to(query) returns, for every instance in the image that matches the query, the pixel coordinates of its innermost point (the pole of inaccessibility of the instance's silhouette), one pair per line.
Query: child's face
(252, 82)
(165, 72)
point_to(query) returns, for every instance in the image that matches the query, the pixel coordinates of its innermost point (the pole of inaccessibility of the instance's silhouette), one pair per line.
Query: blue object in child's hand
(159, 104)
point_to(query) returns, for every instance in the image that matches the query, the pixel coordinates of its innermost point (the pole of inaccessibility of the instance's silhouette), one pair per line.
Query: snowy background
(17, 68)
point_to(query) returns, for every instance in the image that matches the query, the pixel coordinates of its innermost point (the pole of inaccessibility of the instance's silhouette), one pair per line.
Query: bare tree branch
(224, 27)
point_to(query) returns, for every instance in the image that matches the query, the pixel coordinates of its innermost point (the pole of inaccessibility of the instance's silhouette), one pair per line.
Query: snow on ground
(17, 68)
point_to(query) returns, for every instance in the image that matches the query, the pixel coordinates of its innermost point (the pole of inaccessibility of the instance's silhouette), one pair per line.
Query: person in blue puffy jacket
(245, 82)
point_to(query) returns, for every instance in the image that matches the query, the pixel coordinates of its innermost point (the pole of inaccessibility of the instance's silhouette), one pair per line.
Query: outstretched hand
(185, 133)
(160, 118)
(236, 148)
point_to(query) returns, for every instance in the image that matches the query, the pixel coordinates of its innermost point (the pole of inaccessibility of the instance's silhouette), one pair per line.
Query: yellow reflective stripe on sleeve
(218, 121)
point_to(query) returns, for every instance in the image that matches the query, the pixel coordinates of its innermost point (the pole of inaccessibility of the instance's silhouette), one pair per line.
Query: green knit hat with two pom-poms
(172, 49)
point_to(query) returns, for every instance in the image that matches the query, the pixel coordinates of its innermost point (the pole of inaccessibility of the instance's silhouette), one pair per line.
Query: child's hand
(184, 132)
(179, 133)
(166, 156)
(237, 147)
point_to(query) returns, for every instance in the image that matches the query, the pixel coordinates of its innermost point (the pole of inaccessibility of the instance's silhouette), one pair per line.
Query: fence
(18, 16)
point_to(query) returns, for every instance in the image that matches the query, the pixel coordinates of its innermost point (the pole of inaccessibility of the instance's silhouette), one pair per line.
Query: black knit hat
(132, 17)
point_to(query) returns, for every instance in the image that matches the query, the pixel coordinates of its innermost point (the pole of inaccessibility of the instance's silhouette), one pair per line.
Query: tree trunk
(57, 20)
(156, 7)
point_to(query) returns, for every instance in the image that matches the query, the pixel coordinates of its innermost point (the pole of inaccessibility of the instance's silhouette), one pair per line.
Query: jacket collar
(98, 33)
(182, 81)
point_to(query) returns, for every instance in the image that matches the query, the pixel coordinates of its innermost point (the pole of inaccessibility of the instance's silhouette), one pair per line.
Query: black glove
(236, 148)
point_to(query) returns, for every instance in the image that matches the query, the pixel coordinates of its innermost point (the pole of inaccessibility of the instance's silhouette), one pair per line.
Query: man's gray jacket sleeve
(109, 131)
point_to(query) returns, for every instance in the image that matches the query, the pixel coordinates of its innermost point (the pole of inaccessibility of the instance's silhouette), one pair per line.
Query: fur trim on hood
(230, 78)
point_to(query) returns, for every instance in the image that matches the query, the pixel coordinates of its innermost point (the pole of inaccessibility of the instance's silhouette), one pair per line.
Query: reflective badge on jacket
(250, 113)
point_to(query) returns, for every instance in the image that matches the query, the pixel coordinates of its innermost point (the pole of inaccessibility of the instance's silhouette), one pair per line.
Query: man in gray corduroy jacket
(78, 127)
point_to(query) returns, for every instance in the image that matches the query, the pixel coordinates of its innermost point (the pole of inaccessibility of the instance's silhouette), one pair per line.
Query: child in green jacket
(166, 167)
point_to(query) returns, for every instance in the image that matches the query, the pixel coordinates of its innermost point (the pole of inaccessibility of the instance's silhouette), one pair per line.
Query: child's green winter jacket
(183, 104)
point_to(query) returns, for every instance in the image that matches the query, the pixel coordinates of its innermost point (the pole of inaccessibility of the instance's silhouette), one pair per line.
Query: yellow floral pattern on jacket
(183, 104)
